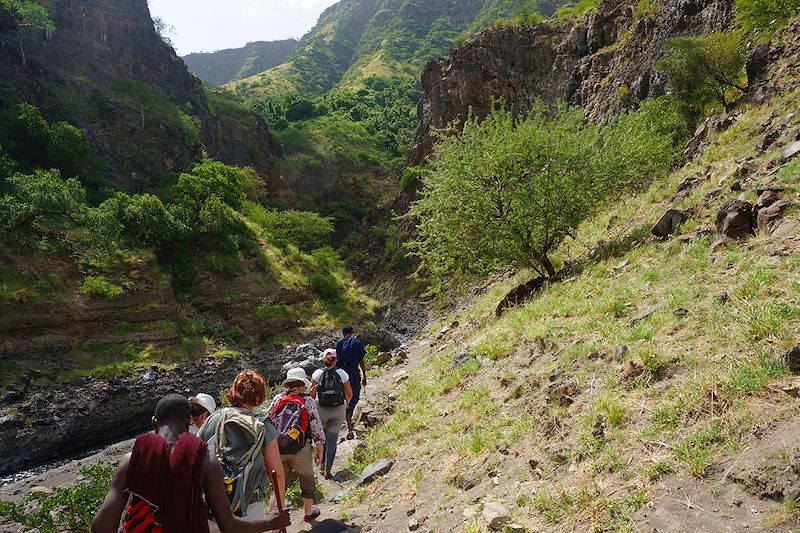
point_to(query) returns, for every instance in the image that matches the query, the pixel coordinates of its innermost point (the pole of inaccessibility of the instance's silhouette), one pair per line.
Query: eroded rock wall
(604, 61)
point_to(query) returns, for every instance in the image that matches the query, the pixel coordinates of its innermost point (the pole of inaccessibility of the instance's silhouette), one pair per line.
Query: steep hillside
(358, 39)
(224, 66)
(603, 61)
(652, 388)
(104, 69)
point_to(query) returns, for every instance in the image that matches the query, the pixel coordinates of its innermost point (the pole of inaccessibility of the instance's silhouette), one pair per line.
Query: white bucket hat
(206, 401)
(297, 374)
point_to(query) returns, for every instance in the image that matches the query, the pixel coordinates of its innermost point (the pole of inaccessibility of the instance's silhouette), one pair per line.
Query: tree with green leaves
(704, 71)
(29, 16)
(507, 191)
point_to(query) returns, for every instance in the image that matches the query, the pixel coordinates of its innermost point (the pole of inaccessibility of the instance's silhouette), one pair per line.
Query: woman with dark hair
(245, 444)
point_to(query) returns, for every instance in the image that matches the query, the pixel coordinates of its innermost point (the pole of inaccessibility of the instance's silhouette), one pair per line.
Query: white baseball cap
(206, 401)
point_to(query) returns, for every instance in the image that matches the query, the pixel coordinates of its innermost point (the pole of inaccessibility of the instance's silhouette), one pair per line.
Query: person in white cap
(294, 415)
(203, 406)
(331, 387)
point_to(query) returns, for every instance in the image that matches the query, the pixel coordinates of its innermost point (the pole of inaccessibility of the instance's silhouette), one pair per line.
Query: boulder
(768, 218)
(413, 524)
(10, 397)
(10, 422)
(767, 140)
(307, 357)
(669, 223)
(374, 471)
(735, 219)
(745, 169)
(792, 360)
(756, 64)
(774, 187)
(496, 515)
(767, 198)
(791, 151)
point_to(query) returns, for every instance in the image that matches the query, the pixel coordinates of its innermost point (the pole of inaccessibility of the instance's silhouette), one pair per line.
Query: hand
(277, 520)
(318, 458)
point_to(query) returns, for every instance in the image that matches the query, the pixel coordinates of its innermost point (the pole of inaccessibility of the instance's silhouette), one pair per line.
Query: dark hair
(249, 388)
(173, 409)
(347, 330)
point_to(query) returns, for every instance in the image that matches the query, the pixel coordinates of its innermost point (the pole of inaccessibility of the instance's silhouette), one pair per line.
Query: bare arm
(313, 391)
(218, 503)
(272, 461)
(363, 372)
(348, 391)
(110, 514)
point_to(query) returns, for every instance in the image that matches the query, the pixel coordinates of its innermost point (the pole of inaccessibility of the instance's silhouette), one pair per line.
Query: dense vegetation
(507, 190)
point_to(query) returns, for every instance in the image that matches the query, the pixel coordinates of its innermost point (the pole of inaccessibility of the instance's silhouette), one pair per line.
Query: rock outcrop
(604, 61)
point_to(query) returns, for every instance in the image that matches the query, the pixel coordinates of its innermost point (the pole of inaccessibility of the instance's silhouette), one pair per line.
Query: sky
(210, 25)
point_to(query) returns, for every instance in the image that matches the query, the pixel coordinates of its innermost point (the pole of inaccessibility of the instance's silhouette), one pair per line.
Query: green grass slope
(655, 364)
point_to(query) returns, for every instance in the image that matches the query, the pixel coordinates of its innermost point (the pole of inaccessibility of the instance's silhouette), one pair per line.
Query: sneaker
(311, 517)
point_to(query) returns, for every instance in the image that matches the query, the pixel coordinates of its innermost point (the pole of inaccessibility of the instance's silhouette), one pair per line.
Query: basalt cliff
(603, 61)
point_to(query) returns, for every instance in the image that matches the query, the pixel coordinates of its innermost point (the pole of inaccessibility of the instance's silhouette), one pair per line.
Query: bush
(100, 287)
(66, 509)
(305, 229)
(705, 70)
(146, 218)
(326, 286)
(42, 202)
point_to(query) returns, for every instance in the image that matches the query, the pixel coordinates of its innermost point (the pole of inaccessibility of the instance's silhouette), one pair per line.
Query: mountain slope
(356, 39)
(653, 388)
(105, 70)
(224, 66)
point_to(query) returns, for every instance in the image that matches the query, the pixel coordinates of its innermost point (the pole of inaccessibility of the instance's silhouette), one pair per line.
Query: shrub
(146, 218)
(66, 509)
(326, 286)
(42, 202)
(100, 287)
(305, 229)
(705, 70)
(212, 178)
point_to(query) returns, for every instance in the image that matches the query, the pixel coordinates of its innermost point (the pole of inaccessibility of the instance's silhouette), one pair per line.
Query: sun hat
(330, 353)
(297, 374)
(206, 401)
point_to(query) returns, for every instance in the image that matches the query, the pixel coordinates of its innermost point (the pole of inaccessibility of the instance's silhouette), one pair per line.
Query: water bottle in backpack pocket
(330, 390)
(242, 473)
(290, 418)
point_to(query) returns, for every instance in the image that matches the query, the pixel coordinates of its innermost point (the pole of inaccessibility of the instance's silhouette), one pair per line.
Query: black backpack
(331, 389)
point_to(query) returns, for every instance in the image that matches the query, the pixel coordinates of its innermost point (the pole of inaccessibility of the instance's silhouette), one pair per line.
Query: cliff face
(224, 66)
(604, 62)
(106, 70)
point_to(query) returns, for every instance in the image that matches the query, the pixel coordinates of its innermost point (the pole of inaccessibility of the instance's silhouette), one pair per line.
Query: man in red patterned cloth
(161, 483)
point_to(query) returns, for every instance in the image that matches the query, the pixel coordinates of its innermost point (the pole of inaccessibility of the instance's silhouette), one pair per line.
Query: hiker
(331, 387)
(297, 421)
(162, 483)
(350, 355)
(245, 446)
(203, 406)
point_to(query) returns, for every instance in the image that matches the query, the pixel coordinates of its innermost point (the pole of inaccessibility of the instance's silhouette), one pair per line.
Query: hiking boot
(315, 512)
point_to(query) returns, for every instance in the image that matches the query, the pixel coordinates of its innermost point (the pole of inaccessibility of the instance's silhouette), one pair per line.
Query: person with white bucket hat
(203, 406)
(296, 418)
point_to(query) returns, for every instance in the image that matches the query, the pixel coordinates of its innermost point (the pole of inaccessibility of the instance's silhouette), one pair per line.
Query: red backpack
(290, 418)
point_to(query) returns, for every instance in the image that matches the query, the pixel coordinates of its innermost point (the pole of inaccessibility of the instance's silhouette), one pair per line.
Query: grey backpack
(244, 475)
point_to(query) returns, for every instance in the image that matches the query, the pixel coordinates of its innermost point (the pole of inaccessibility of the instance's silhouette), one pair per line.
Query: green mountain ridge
(225, 66)
(358, 39)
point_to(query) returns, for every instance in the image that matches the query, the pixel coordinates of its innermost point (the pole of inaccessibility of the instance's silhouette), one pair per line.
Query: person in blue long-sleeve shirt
(350, 355)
